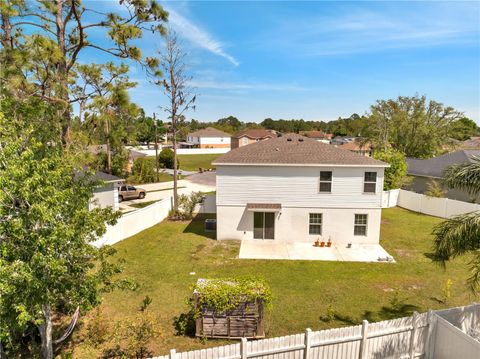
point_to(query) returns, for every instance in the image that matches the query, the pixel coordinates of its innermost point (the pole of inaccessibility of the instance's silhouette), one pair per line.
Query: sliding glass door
(264, 225)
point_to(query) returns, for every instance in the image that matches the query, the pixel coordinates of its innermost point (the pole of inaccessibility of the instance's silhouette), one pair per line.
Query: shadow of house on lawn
(197, 226)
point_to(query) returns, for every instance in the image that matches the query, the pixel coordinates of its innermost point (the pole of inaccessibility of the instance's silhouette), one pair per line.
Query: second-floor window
(325, 182)
(370, 182)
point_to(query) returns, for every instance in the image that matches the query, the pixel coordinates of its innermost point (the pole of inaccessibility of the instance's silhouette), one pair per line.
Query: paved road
(181, 172)
(205, 178)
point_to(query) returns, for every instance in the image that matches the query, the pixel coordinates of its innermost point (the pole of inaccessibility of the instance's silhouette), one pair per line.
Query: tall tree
(411, 125)
(395, 174)
(460, 235)
(180, 96)
(43, 41)
(47, 264)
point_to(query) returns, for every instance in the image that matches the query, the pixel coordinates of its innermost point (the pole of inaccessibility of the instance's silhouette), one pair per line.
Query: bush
(143, 170)
(166, 158)
(394, 175)
(187, 203)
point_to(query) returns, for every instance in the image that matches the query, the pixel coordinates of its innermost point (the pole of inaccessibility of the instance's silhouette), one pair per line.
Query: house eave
(300, 165)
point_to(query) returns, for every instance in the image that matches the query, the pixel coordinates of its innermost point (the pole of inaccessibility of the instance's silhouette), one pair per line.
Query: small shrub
(435, 189)
(185, 324)
(143, 170)
(447, 291)
(187, 204)
(98, 329)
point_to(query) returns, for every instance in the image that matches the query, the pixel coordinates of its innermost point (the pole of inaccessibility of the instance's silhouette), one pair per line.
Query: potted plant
(322, 244)
(329, 243)
(317, 243)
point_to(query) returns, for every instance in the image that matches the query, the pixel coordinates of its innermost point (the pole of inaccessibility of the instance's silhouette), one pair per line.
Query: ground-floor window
(315, 223)
(360, 228)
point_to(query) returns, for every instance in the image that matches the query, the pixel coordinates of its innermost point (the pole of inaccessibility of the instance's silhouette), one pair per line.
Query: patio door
(264, 225)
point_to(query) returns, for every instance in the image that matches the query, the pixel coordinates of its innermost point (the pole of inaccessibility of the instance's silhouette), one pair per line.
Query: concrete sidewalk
(271, 249)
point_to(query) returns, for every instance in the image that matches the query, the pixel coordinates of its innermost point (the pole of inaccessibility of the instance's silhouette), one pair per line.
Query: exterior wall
(296, 189)
(106, 196)
(194, 140)
(214, 142)
(293, 186)
(292, 224)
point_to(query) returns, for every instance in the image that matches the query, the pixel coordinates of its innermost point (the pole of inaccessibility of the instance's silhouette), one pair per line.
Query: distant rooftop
(255, 133)
(209, 132)
(294, 149)
(434, 167)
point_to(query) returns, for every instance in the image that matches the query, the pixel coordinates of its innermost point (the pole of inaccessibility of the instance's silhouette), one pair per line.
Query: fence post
(243, 348)
(308, 342)
(363, 343)
(173, 354)
(413, 334)
(429, 338)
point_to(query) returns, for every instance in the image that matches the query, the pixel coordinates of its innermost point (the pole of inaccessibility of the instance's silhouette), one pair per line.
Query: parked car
(130, 192)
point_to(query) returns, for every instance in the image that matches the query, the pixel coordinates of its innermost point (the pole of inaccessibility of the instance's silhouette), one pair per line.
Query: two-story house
(252, 135)
(294, 188)
(209, 138)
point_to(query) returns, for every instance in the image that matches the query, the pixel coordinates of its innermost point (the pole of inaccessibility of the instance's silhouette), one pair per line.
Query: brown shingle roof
(356, 146)
(255, 133)
(317, 134)
(293, 149)
(209, 132)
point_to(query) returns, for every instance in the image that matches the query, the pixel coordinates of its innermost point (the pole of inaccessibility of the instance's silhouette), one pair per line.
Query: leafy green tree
(460, 234)
(47, 263)
(463, 128)
(166, 157)
(43, 63)
(143, 170)
(411, 125)
(229, 124)
(396, 173)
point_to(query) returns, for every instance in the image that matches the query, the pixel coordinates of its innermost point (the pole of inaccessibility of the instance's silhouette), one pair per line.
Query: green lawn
(161, 259)
(194, 162)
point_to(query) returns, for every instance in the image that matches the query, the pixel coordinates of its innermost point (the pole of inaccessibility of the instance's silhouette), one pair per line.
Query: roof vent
(277, 149)
(300, 140)
(289, 139)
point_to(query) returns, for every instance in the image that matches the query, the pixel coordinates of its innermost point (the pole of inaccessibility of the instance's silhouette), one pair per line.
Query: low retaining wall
(136, 221)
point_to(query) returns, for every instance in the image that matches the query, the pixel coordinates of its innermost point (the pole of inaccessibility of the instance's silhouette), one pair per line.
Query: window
(326, 181)
(360, 228)
(370, 182)
(245, 140)
(315, 223)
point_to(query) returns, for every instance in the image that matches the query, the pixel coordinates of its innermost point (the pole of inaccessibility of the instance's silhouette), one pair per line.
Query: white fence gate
(136, 221)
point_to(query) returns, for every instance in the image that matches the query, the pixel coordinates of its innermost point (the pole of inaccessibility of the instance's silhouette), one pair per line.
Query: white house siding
(292, 224)
(296, 189)
(296, 186)
(215, 141)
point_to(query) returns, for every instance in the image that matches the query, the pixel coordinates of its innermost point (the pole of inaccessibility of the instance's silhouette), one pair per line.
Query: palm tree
(461, 234)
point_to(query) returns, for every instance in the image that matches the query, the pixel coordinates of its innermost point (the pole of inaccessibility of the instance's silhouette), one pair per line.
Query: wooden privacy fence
(397, 338)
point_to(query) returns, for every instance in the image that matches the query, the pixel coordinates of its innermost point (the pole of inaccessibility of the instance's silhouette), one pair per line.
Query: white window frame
(245, 141)
(310, 223)
(355, 224)
(370, 182)
(320, 181)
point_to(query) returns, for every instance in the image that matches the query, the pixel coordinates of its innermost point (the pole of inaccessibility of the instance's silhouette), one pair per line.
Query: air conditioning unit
(210, 225)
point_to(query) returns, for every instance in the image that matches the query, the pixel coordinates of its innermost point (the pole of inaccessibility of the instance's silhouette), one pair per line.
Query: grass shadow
(197, 226)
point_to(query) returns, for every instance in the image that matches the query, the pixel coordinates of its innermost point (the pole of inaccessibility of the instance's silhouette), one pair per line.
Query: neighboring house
(340, 140)
(364, 149)
(247, 137)
(294, 188)
(132, 156)
(209, 138)
(473, 143)
(107, 194)
(425, 171)
(318, 135)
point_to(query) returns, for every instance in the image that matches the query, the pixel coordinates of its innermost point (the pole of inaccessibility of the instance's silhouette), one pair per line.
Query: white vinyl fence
(189, 151)
(390, 198)
(408, 337)
(438, 207)
(136, 221)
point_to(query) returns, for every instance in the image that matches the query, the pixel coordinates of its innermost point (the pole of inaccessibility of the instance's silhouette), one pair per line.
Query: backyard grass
(194, 162)
(168, 258)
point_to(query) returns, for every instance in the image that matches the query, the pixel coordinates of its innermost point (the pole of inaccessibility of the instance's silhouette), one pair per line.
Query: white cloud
(219, 85)
(198, 36)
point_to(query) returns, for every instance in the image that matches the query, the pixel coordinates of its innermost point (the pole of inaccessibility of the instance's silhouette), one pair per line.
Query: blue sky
(319, 60)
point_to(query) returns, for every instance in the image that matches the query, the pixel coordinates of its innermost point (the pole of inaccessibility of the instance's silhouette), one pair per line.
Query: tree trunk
(175, 194)
(109, 153)
(46, 332)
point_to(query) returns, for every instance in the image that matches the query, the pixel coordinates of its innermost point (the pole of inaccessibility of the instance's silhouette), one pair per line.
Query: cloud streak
(198, 36)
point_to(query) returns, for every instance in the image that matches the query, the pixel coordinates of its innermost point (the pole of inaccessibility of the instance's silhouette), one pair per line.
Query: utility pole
(156, 146)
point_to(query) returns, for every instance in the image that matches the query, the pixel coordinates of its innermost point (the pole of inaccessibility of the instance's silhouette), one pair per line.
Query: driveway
(271, 249)
(205, 178)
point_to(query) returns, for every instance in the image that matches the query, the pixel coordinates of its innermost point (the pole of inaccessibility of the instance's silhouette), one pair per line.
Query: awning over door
(264, 207)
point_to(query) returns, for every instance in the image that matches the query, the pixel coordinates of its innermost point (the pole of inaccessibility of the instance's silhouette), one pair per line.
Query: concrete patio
(271, 249)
